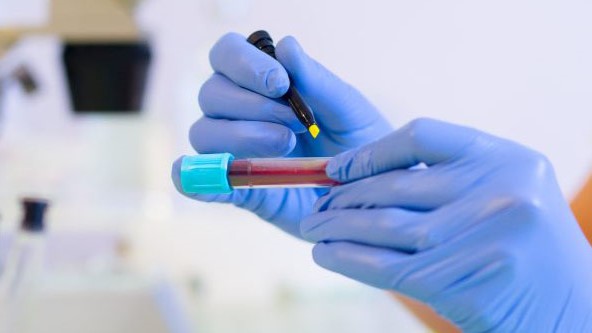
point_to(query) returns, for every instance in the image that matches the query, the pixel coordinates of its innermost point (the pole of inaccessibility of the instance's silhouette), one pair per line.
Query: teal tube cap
(206, 173)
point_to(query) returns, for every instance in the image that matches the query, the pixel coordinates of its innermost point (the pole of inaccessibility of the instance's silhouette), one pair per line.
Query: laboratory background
(120, 250)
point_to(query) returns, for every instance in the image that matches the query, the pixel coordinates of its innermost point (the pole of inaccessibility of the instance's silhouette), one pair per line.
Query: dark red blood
(279, 172)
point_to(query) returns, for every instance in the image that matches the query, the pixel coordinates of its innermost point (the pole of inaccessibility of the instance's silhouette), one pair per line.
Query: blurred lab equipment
(21, 76)
(37, 295)
(23, 267)
(105, 58)
(25, 260)
(106, 77)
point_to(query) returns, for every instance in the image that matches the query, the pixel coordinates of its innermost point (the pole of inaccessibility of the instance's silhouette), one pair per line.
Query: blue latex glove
(481, 232)
(243, 116)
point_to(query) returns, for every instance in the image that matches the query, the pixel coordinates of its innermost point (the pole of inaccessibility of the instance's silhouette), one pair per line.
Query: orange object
(582, 209)
(427, 316)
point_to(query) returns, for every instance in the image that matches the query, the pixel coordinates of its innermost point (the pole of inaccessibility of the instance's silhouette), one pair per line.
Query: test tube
(221, 173)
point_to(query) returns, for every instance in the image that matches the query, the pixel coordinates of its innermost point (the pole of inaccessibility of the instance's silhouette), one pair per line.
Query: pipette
(261, 40)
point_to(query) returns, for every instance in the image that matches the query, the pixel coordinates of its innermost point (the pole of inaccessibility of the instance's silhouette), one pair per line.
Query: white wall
(521, 69)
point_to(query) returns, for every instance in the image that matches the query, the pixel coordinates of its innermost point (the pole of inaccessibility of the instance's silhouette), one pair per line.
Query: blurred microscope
(106, 62)
(105, 57)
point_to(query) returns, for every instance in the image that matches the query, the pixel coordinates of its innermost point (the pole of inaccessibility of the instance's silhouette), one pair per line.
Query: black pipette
(261, 40)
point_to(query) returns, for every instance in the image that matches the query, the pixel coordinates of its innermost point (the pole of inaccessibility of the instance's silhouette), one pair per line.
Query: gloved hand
(480, 232)
(243, 116)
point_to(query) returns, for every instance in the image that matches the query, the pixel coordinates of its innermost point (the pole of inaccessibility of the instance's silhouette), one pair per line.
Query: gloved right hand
(481, 233)
(244, 115)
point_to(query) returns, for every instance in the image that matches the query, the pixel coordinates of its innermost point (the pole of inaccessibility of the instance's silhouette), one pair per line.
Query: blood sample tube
(221, 173)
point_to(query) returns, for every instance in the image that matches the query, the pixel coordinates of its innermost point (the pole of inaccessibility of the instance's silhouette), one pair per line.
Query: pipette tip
(314, 130)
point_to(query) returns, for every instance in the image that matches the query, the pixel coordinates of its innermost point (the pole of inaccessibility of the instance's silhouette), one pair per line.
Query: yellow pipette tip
(314, 130)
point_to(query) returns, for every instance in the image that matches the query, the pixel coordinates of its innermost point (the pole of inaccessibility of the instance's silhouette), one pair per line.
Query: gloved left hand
(481, 233)
(244, 115)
